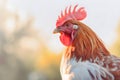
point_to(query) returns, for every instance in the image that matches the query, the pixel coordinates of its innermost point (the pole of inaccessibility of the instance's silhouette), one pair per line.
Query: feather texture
(86, 43)
(106, 69)
(88, 59)
(83, 70)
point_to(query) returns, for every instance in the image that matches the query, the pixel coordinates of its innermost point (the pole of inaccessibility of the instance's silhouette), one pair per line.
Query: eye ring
(75, 27)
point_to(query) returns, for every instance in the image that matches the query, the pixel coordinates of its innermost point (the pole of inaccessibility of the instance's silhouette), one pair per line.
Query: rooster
(86, 57)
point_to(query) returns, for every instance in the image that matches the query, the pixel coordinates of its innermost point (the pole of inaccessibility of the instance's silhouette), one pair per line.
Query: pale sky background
(103, 16)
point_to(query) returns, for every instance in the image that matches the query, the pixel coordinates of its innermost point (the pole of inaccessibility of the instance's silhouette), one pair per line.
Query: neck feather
(86, 45)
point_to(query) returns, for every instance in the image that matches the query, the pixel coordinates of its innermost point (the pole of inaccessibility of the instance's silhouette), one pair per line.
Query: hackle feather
(87, 45)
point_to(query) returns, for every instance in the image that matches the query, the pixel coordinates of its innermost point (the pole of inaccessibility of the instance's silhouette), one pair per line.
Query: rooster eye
(67, 25)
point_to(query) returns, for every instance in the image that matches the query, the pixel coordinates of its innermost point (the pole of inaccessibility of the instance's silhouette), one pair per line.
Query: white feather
(73, 70)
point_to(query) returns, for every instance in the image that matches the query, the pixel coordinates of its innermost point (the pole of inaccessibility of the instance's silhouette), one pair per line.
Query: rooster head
(80, 39)
(65, 25)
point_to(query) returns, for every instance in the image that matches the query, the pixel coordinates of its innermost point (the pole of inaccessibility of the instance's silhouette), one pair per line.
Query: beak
(56, 30)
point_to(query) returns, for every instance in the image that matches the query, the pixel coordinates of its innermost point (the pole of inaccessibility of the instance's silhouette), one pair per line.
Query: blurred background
(29, 50)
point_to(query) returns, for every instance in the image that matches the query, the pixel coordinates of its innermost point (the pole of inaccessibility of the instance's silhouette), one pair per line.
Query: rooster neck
(72, 53)
(86, 45)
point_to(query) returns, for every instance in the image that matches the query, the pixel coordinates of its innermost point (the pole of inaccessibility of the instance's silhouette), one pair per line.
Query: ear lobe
(75, 27)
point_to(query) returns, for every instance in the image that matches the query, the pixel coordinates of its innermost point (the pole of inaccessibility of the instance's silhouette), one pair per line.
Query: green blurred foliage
(13, 63)
(47, 63)
(23, 52)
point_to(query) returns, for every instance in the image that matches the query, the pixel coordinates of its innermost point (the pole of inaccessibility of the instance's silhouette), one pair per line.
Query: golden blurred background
(24, 53)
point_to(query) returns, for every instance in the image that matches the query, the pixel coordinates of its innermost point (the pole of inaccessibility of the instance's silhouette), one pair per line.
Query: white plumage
(73, 70)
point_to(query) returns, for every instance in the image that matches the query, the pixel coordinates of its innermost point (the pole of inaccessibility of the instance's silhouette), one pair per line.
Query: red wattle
(65, 39)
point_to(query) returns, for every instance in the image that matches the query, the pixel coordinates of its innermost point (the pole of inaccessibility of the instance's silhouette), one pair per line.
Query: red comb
(78, 14)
